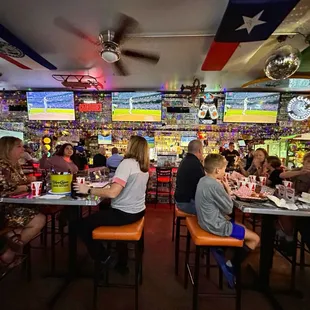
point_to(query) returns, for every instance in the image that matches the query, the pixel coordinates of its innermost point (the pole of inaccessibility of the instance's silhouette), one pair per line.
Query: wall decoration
(299, 108)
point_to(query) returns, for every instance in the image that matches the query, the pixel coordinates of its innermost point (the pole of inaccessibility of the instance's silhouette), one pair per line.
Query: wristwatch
(89, 191)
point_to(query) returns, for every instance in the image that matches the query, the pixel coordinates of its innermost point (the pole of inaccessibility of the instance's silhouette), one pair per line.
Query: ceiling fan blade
(149, 57)
(65, 25)
(120, 67)
(126, 23)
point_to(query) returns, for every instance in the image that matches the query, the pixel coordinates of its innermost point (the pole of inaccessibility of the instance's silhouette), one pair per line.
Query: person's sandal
(5, 266)
(15, 243)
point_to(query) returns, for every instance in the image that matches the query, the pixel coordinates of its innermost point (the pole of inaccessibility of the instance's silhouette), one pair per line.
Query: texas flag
(13, 50)
(247, 21)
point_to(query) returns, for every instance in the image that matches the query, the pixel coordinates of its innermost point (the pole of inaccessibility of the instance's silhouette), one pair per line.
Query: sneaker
(219, 256)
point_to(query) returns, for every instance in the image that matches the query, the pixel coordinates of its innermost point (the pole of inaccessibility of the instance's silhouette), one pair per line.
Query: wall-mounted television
(150, 141)
(241, 143)
(136, 106)
(185, 140)
(56, 106)
(9, 133)
(105, 139)
(251, 107)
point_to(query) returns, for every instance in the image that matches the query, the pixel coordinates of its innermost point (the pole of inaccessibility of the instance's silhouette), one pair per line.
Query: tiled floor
(160, 290)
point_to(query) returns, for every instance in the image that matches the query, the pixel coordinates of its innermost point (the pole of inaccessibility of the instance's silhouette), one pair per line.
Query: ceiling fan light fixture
(110, 55)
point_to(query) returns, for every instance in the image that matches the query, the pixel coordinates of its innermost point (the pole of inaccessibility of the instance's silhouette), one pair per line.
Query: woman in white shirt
(127, 194)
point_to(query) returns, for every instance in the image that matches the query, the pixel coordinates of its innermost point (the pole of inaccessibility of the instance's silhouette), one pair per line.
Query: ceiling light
(110, 55)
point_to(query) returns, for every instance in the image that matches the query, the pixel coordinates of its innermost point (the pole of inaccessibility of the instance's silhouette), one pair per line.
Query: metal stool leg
(137, 269)
(238, 282)
(302, 254)
(177, 246)
(96, 281)
(173, 224)
(187, 252)
(196, 278)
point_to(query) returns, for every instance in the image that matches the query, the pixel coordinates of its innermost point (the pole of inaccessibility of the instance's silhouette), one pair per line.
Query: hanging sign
(90, 107)
(298, 108)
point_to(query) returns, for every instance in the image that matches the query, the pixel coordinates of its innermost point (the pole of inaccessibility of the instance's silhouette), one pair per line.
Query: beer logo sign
(298, 108)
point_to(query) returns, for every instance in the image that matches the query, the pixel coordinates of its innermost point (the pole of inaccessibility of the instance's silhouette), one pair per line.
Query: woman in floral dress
(25, 220)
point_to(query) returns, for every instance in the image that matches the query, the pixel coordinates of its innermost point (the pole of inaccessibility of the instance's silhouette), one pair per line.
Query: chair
(132, 233)
(178, 216)
(203, 239)
(164, 176)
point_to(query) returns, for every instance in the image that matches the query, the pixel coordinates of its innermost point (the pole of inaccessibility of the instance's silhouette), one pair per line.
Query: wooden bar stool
(132, 233)
(178, 217)
(203, 239)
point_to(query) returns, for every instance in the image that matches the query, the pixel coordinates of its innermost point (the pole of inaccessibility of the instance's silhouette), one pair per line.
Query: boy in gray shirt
(213, 205)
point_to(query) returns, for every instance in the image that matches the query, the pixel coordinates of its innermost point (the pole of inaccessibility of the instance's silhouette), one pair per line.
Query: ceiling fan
(110, 42)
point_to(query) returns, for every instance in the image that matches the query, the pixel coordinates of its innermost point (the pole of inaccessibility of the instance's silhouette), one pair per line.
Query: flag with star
(245, 21)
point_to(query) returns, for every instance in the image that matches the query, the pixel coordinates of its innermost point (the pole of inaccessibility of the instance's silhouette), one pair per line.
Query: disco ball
(283, 63)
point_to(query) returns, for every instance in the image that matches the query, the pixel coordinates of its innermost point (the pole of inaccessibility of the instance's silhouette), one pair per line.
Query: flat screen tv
(241, 143)
(150, 141)
(17, 134)
(56, 106)
(136, 106)
(105, 139)
(251, 107)
(187, 139)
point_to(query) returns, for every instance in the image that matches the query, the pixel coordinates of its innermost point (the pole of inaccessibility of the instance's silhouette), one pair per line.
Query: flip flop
(15, 243)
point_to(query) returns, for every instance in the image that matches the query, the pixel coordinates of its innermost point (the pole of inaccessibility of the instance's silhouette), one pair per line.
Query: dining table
(269, 213)
(73, 205)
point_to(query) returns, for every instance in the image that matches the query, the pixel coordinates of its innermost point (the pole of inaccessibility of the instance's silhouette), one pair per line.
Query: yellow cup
(61, 183)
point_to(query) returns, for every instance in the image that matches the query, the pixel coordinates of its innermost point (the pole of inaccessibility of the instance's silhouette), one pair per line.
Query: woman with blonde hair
(25, 220)
(127, 193)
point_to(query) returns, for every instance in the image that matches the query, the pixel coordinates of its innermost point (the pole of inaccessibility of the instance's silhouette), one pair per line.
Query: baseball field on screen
(137, 115)
(251, 116)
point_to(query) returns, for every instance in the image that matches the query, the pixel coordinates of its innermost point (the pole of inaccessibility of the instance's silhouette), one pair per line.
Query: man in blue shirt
(114, 160)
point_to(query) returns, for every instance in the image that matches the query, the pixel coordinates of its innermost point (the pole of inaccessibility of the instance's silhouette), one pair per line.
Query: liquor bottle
(44, 181)
(73, 191)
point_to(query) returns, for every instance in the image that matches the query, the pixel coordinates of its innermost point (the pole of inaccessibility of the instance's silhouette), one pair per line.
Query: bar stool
(164, 176)
(203, 239)
(177, 218)
(132, 233)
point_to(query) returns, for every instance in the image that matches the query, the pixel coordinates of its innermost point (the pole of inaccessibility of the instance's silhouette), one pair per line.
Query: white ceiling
(181, 31)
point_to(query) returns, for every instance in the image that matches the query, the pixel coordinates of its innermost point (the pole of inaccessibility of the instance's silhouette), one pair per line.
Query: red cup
(288, 184)
(36, 188)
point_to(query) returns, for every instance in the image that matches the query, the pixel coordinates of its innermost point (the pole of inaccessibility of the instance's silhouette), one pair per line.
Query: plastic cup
(80, 180)
(251, 186)
(36, 188)
(263, 180)
(252, 178)
(288, 184)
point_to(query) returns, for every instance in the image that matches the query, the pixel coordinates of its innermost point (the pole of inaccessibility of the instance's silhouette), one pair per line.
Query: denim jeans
(187, 207)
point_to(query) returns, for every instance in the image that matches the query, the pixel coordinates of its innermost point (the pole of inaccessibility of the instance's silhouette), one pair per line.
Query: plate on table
(64, 193)
(304, 200)
(251, 198)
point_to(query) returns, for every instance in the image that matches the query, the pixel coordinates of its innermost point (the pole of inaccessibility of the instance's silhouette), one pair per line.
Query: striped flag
(13, 50)
(245, 21)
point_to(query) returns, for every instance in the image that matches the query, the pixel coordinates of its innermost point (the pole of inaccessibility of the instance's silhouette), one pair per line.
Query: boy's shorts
(238, 231)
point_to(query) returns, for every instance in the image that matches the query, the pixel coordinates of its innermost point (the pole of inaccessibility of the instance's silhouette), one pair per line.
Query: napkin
(281, 203)
(52, 196)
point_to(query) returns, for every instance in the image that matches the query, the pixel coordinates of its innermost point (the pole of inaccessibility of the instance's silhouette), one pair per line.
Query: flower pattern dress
(11, 177)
